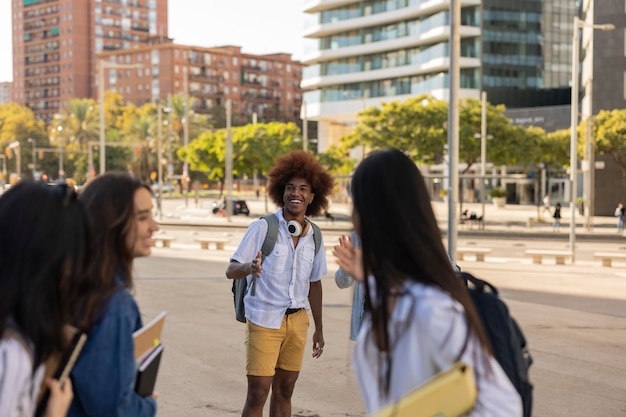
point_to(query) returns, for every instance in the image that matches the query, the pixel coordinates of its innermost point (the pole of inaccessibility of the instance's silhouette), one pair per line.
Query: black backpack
(240, 286)
(506, 337)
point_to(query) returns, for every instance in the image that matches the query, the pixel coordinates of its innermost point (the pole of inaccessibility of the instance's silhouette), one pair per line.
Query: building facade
(265, 85)
(5, 92)
(363, 53)
(55, 44)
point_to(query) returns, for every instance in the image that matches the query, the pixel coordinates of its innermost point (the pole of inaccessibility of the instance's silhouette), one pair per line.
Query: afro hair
(301, 164)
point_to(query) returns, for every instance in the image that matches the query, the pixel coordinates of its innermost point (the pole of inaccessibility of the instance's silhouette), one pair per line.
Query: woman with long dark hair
(43, 241)
(120, 208)
(419, 317)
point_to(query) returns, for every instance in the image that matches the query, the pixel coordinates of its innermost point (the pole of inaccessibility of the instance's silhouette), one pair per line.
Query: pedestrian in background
(120, 208)
(285, 285)
(43, 242)
(419, 318)
(557, 218)
(547, 205)
(619, 213)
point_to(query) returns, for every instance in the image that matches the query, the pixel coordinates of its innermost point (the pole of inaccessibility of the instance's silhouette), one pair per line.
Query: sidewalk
(510, 222)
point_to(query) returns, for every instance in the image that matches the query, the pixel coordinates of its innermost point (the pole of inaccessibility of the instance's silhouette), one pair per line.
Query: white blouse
(427, 332)
(18, 386)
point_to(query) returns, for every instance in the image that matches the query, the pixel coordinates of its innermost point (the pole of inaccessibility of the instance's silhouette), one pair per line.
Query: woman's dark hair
(400, 240)
(301, 164)
(109, 201)
(44, 239)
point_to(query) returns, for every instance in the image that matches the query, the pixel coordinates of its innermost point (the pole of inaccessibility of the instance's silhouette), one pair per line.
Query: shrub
(497, 192)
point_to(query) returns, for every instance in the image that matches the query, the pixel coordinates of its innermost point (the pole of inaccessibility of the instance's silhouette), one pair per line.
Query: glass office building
(363, 53)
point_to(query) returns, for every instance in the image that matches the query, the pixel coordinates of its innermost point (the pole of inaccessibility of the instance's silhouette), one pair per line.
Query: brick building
(5, 92)
(268, 85)
(55, 43)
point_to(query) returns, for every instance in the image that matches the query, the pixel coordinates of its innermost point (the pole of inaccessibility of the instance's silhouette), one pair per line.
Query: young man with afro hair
(284, 285)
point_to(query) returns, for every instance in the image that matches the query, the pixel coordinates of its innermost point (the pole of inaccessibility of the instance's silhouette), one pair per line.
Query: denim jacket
(104, 375)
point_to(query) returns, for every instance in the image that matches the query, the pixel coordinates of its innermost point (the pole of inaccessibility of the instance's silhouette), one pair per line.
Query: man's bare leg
(258, 389)
(282, 390)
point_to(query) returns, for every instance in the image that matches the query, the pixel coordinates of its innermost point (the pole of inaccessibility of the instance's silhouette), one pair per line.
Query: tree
(415, 126)
(336, 159)
(418, 127)
(82, 124)
(198, 123)
(554, 149)
(507, 144)
(141, 133)
(610, 133)
(255, 147)
(18, 123)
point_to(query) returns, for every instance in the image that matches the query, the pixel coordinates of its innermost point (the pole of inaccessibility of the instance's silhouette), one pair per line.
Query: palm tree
(82, 125)
(142, 131)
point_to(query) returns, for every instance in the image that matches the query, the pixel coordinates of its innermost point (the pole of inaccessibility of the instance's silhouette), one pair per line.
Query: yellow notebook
(149, 336)
(451, 393)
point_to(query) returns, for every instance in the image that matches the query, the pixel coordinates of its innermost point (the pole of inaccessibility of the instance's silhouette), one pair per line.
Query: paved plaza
(573, 316)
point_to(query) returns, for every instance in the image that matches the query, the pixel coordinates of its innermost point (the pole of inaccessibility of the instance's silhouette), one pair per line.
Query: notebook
(149, 336)
(147, 372)
(451, 393)
(63, 366)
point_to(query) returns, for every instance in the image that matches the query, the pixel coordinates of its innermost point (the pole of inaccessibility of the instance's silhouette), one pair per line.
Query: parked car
(166, 187)
(239, 207)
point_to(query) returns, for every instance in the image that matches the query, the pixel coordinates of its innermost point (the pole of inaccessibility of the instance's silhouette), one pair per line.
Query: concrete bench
(478, 252)
(608, 257)
(219, 242)
(538, 255)
(165, 240)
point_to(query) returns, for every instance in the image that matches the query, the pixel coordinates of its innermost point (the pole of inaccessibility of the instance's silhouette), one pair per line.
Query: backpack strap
(268, 243)
(317, 237)
(271, 236)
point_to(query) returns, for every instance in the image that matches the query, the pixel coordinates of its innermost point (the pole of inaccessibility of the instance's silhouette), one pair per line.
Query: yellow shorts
(268, 349)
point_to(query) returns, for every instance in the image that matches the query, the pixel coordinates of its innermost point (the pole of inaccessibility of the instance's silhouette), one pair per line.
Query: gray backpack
(240, 286)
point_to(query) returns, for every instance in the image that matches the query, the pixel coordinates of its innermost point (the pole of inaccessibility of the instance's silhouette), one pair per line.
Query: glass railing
(390, 88)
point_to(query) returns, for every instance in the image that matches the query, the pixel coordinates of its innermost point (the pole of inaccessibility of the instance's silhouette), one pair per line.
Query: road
(572, 315)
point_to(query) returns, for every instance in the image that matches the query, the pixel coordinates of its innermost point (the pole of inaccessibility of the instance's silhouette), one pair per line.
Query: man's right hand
(255, 266)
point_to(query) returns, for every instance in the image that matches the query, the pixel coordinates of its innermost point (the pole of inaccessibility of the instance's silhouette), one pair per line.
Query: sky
(258, 26)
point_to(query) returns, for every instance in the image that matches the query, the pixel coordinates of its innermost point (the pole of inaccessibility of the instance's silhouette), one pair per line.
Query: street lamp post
(102, 66)
(578, 24)
(185, 176)
(4, 169)
(18, 157)
(454, 73)
(305, 128)
(31, 140)
(229, 161)
(159, 156)
(483, 153)
(61, 172)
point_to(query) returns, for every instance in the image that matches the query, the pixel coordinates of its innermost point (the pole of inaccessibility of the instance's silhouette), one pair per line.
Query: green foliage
(610, 134)
(418, 127)
(337, 161)
(497, 193)
(415, 126)
(17, 124)
(554, 148)
(255, 147)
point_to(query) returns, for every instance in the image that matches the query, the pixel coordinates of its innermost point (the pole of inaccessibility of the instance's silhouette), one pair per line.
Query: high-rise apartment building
(368, 52)
(55, 43)
(267, 85)
(5, 92)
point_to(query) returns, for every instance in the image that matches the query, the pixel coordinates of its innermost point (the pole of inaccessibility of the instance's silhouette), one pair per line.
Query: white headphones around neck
(294, 227)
